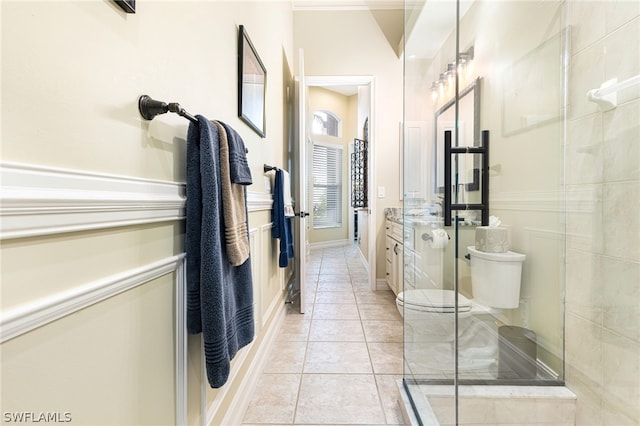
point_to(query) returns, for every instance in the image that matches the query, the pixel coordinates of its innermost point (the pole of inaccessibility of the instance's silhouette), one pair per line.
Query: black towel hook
(149, 108)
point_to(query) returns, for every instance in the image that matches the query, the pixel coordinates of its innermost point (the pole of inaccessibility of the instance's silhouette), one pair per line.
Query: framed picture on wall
(252, 81)
(128, 6)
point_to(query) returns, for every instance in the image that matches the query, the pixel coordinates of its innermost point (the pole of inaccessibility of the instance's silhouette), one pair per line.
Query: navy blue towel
(239, 167)
(219, 296)
(282, 225)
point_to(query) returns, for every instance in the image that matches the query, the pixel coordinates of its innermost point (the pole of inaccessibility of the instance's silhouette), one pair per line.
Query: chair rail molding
(40, 200)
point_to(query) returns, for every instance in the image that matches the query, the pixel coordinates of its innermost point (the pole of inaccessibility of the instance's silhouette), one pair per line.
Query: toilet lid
(434, 301)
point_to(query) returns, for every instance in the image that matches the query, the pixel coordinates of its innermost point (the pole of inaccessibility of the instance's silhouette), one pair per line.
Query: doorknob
(302, 214)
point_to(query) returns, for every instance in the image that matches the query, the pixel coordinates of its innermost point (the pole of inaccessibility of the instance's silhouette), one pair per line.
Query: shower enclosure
(483, 171)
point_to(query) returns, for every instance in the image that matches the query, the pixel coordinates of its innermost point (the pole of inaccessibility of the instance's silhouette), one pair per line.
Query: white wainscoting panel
(38, 313)
(38, 200)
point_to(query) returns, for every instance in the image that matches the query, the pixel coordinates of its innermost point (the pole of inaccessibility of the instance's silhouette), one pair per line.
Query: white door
(300, 179)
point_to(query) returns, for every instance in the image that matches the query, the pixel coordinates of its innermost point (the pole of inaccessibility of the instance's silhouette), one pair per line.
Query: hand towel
(219, 295)
(239, 167)
(288, 200)
(282, 225)
(233, 207)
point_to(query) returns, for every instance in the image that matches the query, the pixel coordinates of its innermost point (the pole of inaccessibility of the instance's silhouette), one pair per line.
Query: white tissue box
(492, 240)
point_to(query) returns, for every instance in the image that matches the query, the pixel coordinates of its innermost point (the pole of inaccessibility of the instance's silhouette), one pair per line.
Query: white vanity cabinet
(394, 248)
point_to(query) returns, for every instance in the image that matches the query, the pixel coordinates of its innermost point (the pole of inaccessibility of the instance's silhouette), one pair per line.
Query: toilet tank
(495, 278)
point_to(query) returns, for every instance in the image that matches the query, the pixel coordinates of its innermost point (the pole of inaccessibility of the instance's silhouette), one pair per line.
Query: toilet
(430, 313)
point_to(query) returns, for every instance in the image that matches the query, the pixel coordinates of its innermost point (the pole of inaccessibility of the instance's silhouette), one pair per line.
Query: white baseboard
(363, 260)
(381, 285)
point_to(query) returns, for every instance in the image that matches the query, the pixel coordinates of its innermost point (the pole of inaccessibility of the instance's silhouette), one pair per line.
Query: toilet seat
(439, 301)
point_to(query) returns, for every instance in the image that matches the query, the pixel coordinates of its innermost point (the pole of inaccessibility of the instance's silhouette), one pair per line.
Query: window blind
(327, 186)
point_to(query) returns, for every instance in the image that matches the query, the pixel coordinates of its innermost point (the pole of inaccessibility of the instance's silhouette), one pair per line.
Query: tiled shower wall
(603, 223)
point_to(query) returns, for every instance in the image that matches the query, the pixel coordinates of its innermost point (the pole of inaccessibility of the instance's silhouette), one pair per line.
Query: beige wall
(351, 44)
(72, 73)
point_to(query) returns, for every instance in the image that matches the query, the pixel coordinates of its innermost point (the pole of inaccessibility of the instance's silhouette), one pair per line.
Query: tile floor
(338, 363)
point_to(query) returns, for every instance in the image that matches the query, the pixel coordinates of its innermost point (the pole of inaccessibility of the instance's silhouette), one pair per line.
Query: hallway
(339, 362)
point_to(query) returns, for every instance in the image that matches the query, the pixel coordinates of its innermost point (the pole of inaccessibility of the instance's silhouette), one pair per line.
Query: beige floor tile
(336, 331)
(294, 329)
(337, 357)
(321, 368)
(274, 399)
(339, 400)
(382, 331)
(333, 311)
(286, 357)
(382, 297)
(386, 358)
(334, 286)
(379, 312)
(337, 297)
(334, 277)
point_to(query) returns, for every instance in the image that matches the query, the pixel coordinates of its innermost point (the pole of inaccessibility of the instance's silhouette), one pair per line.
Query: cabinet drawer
(397, 232)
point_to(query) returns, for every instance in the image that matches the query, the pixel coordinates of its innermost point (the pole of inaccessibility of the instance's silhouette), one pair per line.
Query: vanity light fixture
(447, 78)
(442, 82)
(434, 91)
(451, 74)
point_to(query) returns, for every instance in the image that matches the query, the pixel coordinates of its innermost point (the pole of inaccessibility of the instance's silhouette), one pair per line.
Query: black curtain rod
(149, 108)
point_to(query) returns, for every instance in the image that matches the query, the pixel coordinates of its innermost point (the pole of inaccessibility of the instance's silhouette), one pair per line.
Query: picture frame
(252, 84)
(128, 6)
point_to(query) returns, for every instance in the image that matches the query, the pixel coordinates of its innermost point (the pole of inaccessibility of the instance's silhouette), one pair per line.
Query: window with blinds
(327, 186)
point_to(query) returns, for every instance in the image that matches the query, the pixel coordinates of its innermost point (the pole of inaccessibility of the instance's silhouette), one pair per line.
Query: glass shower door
(483, 205)
(428, 296)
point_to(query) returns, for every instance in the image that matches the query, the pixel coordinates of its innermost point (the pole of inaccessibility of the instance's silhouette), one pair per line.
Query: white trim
(257, 201)
(364, 261)
(182, 417)
(328, 244)
(255, 247)
(381, 285)
(37, 200)
(24, 318)
(574, 201)
(342, 5)
(338, 80)
(372, 182)
(328, 145)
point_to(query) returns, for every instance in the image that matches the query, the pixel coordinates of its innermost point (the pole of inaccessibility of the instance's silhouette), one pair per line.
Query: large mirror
(468, 166)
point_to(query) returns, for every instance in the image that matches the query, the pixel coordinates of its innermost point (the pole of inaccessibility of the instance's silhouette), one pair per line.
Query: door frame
(368, 81)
